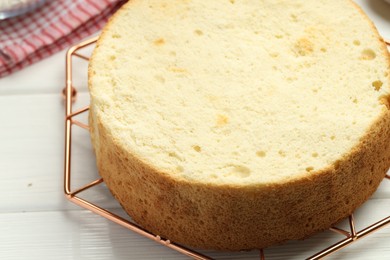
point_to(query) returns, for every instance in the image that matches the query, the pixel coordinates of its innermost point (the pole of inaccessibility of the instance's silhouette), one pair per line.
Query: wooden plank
(32, 152)
(79, 234)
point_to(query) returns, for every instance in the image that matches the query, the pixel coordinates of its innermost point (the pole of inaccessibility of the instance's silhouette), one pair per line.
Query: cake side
(230, 217)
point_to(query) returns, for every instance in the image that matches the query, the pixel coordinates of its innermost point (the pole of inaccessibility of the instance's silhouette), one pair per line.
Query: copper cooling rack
(349, 236)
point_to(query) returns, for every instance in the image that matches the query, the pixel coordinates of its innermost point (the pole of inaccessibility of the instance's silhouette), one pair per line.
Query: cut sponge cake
(240, 124)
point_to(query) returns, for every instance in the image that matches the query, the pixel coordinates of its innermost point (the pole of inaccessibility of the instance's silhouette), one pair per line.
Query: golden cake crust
(232, 218)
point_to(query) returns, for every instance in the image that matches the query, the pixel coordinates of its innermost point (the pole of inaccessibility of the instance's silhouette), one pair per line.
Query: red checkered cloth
(56, 25)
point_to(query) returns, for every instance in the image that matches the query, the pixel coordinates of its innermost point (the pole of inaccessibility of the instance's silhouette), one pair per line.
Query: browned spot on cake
(222, 120)
(309, 169)
(368, 54)
(212, 98)
(171, 7)
(385, 100)
(318, 32)
(177, 69)
(197, 148)
(241, 171)
(303, 47)
(377, 85)
(282, 153)
(198, 32)
(261, 153)
(294, 18)
(159, 42)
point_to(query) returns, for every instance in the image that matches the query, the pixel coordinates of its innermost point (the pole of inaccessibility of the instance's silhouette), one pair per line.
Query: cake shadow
(294, 249)
(95, 235)
(381, 8)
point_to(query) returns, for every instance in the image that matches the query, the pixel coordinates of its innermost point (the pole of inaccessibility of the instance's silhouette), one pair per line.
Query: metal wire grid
(70, 94)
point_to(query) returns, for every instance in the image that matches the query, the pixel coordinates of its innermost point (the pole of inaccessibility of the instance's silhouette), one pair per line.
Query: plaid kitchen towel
(58, 24)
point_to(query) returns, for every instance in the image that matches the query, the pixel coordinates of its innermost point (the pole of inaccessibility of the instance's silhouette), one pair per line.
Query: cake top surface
(239, 92)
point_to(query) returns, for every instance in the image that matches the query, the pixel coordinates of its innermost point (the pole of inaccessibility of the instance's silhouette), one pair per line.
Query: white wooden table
(37, 222)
